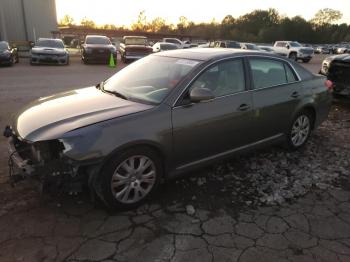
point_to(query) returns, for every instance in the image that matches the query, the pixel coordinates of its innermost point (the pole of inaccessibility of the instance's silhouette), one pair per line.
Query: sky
(125, 12)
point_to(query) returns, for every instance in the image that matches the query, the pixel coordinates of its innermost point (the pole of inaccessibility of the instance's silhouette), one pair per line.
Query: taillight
(329, 84)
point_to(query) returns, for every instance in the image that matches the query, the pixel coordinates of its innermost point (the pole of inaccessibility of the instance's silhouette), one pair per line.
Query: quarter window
(268, 72)
(223, 78)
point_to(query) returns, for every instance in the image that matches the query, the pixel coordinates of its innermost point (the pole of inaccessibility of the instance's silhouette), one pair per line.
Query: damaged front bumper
(29, 160)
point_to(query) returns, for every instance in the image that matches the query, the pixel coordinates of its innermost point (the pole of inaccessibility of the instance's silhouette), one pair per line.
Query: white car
(294, 50)
(177, 42)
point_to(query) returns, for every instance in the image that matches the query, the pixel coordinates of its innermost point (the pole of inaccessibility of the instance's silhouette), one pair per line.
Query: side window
(267, 72)
(223, 78)
(291, 77)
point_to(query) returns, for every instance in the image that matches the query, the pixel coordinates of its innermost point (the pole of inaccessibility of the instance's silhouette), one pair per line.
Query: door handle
(243, 107)
(295, 94)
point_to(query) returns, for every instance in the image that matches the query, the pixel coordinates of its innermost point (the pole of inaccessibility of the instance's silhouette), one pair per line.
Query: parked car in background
(322, 50)
(8, 54)
(178, 42)
(268, 49)
(342, 49)
(250, 46)
(97, 49)
(164, 115)
(133, 48)
(294, 50)
(227, 44)
(163, 46)
(49, 51)
(337, 69)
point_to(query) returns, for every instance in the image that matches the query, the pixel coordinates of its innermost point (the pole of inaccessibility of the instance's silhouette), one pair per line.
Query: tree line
(262, 26)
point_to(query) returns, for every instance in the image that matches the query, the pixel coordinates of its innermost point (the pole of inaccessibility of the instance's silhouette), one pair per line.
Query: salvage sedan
(337, 69)
(49, 51)
(162, 116)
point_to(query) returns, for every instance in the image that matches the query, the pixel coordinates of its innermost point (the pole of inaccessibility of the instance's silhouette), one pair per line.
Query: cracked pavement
(241, 210)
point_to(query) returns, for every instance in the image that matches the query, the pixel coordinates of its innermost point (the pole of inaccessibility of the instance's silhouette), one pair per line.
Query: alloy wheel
(133, 179)
(300, 130)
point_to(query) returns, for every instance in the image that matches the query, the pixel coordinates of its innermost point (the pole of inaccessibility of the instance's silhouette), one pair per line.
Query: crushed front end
(43, 161)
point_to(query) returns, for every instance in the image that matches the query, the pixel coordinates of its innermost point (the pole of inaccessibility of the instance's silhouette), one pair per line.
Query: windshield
(50, 43)
(149, 79)
(97, 41)
(230, 44)
(3, 46)
(295, 44)
(135, 41)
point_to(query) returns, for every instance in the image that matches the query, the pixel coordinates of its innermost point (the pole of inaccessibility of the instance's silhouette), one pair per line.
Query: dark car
(8, 54)
(227, 44)
(97, 49)
(337, 69)
(133, 48)
(49, 51)
(164, 115)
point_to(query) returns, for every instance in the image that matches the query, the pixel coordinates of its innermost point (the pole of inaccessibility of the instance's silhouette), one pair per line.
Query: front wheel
(293, 56)
(300, 130)
(130, 178)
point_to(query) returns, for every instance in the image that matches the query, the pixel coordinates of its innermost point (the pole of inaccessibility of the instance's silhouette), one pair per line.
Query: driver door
(212, 128)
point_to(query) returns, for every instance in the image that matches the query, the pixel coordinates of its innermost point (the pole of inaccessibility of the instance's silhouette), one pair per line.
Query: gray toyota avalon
(162, 116)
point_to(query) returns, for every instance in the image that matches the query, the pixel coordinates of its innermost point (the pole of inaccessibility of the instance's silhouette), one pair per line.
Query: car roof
(205, 54)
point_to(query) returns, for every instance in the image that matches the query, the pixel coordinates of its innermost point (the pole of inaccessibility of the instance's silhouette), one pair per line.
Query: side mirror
(288, 46)
(201, 94)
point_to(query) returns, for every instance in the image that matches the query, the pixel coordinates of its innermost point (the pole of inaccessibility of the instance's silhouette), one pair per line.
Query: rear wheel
(130, 178)
(293, 56)
(300, 130)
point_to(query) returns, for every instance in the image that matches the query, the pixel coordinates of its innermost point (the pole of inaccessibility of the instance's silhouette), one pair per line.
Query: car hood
(50, 117)
(138, 47)
(48, 50)
(99, 46)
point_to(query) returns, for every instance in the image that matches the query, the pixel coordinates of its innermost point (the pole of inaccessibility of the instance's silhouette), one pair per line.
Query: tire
(67, 63)
(17, 59)
(293, 56)
(129, 189)
(306, 60)
(300, 130)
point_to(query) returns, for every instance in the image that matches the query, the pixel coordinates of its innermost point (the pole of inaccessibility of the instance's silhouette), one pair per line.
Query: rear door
(207, 129)
(276, 94)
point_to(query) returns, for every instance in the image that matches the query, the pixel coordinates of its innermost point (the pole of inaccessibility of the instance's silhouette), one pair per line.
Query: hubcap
(300, 130)
(133, 179)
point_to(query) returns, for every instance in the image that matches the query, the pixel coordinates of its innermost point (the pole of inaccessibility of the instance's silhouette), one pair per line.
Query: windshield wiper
(116, 93)
(100, 85)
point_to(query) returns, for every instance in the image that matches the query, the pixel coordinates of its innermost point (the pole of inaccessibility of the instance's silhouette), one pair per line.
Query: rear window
(269, 72)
